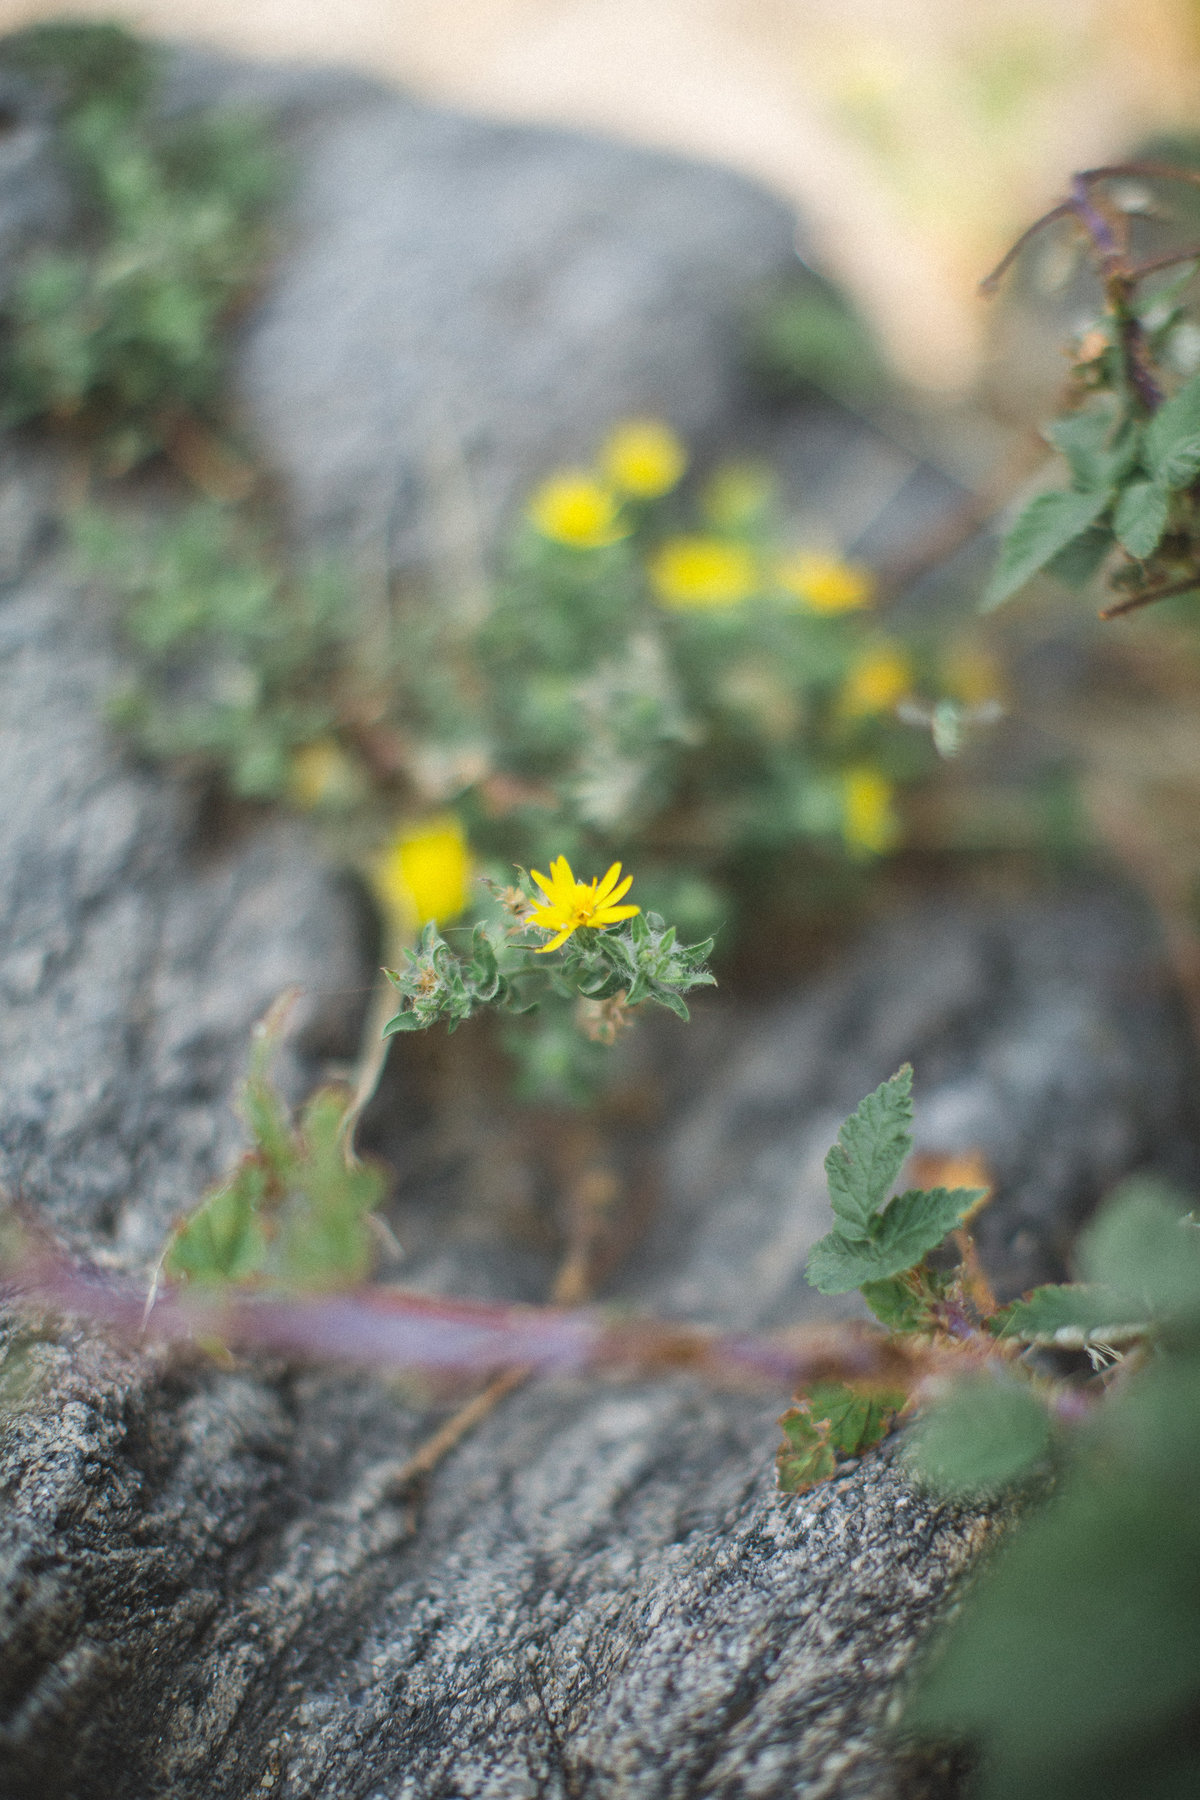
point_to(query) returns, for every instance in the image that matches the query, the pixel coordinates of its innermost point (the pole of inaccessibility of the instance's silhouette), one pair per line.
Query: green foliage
(805, 334)
(625, 967)
(1129, 434)
(874, 1241)
(295, 1212)
(235, 663)
(990, 1431)
(830, 1422)
(1074, 1665)
(121, 337)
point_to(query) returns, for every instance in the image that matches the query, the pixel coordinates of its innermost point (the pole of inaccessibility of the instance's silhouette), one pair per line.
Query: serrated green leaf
(1172, 441)
(805, 1458)
(912, 1224)
(1077, 564)
(854, 1421)
(895, 1304)
(988, 1432)
(869, 1154)
(1070, 1317)
(1083, 439)
(1141, 517)
(1047, 526)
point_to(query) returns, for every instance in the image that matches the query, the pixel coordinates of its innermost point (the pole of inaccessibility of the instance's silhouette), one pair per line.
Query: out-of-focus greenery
(1129, 435)
(1072, 1668)
(118, 335)
(805, 333)
(235, 661)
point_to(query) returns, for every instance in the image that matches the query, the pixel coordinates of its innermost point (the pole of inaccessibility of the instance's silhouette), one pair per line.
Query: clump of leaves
(1130, 432)
(120, 335)
(1073, 1665)
(296, 1210)
(235, 657)
(610, 971)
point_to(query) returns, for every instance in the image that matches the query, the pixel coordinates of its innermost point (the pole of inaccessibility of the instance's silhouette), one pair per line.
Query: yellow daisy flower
(575, 509)
(643, 458)
(825, 584)
(869, 826)
(701, 573)
(570, 903)
(881, 677)
(424, 874)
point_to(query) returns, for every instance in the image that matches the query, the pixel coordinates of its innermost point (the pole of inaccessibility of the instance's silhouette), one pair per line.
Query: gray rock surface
(464, 304)
(210, 1583)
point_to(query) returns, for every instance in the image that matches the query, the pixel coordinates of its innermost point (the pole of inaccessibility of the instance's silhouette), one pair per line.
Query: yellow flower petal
(570, 903)
(869, 826)
(881, 677)
(643, 458)
(825, 584)
(424, 873)
(701, 573)
(573, 508)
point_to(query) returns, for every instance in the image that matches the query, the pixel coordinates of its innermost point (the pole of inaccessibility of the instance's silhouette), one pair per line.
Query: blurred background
(914, 136)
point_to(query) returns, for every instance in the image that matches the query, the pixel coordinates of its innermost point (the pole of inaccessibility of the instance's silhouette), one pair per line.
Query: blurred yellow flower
(570, 903)
(703, 572)
(643, 458)
(826, 584)
(869, 826)
(880, 678)
(574, 508)
(737, 494)
(321, 774)
(424, 873)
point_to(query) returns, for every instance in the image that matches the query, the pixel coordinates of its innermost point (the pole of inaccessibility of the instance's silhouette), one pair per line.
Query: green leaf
(1048, 524)
(1145, 1251)
(869, 1154)
(1083, 439)
(912, 1224)
(1076, 565)
(1172, 442)
(223, 1240)
(987, 1433)
(1141, 517)
(896, 1304)
(1069, 1317)
(830, 1420)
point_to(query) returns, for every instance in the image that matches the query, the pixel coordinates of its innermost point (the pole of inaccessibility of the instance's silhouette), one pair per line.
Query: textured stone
(210, 1584)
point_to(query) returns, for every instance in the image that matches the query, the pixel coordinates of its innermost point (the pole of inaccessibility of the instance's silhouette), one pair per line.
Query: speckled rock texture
(212, 1583)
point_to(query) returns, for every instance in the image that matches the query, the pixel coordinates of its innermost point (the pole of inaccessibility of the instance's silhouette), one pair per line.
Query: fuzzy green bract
(637, 963)
(875, 1237)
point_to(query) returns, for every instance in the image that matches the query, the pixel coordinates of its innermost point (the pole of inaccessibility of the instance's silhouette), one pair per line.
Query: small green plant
(1129, 435)
(120, 338)
(296, 1210)
(1072, 1669)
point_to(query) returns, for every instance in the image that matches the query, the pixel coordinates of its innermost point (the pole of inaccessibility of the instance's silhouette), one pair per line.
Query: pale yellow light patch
(643, 458)
(321, 774)
(424, 874)
(575, 509)
(826, 584)
(703, 573)
(737, 494)
(869, 824)
(880, 678)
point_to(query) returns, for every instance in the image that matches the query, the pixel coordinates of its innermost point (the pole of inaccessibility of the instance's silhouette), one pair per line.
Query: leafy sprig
(640, 963)
(1130, 434)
